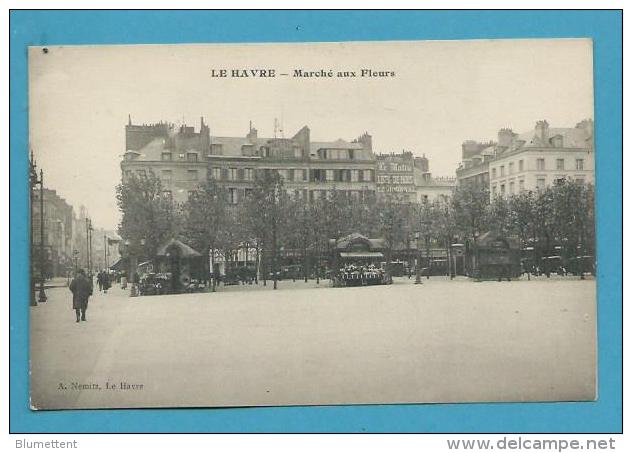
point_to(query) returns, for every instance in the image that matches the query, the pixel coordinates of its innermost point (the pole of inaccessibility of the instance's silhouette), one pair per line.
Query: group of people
(103, 280)
(365, 272)
(82, 288)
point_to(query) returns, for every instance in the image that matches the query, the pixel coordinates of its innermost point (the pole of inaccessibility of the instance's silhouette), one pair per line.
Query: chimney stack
(542, 132)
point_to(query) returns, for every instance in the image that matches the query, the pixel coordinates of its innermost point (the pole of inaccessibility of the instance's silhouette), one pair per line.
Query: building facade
(310, 169)
(177, 155)
(183, 158)
(474, 168)
(58, 233)
(532, 160)
(408, 178)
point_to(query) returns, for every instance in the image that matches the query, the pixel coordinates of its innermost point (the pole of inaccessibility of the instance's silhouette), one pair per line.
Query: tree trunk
(257, 263)
(447, 257)
(318, 264)
(537, 261)
(547, 268)
(523, 240)
(264, 264)
(428, 257)
(207, 265)
(582, 252)
(304, 260)
(213, 276)
(274, 255)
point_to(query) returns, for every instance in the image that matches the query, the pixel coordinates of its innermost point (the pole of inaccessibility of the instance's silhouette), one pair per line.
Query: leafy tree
(326, 225)
(545, 223)
(300, 232)
(149, 215)
(522, 207)
(267, 209)
(205, 219)
(470, 211)
(394, 223)
(500, 217)
(422, 222)
(573, 214)
(443, 225)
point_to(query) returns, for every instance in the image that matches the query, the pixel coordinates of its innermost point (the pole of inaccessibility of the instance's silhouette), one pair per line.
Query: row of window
(337, 154)
(235, 195)
(512, 188)
(540, 184)
(296, 174)
(165, 175)
(190, 157)
(248, 174)
(560, 164)
(287, 152)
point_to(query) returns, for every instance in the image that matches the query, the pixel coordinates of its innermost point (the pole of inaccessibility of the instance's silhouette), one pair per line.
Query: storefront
(493, 256)
(358, 261)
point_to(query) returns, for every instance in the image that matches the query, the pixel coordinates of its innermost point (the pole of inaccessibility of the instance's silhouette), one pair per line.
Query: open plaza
(307, 343)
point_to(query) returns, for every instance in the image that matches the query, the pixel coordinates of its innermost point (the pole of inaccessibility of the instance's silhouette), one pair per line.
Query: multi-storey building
(532, 160)
(474, 168)
(409, 178)
(58, 233)
(396, 176)
(538, 158)
(432, 189)
(177, 155)
(310, 169)
(182, 158)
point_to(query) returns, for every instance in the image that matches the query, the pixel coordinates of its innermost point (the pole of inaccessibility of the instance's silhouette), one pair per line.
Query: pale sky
(444, 92)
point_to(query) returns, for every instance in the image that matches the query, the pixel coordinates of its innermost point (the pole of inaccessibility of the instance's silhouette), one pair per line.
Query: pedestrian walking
(81, 288)
(100, 280)
(105, 281)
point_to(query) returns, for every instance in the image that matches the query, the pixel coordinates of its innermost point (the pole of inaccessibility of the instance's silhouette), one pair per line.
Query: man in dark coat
(105, 281)
(81, 288)
(100, 280)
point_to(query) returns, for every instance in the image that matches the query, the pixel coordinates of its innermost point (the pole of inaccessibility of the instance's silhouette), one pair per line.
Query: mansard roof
(573, 137)
(337, 144)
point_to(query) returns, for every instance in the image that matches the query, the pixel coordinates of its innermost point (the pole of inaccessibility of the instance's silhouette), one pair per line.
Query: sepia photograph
(381, 222)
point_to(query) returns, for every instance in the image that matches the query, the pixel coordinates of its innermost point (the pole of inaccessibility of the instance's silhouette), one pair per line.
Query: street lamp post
(105, 251)
(32, 183)
(418, 280)
(75, 255)
(133, 248)
(42, 294)
(427, 240)
(90, 249)
(89, 230)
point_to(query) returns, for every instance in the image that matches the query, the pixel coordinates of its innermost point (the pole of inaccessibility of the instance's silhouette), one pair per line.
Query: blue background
(123, 27)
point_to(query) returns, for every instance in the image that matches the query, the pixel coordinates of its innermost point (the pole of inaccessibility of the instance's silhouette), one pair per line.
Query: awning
(185, 250)
(120, 265)
(361, 255)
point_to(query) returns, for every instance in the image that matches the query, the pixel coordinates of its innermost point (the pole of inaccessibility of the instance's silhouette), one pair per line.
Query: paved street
(309, 344)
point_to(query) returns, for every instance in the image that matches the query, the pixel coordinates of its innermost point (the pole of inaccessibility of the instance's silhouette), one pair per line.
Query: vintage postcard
(312, 224)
